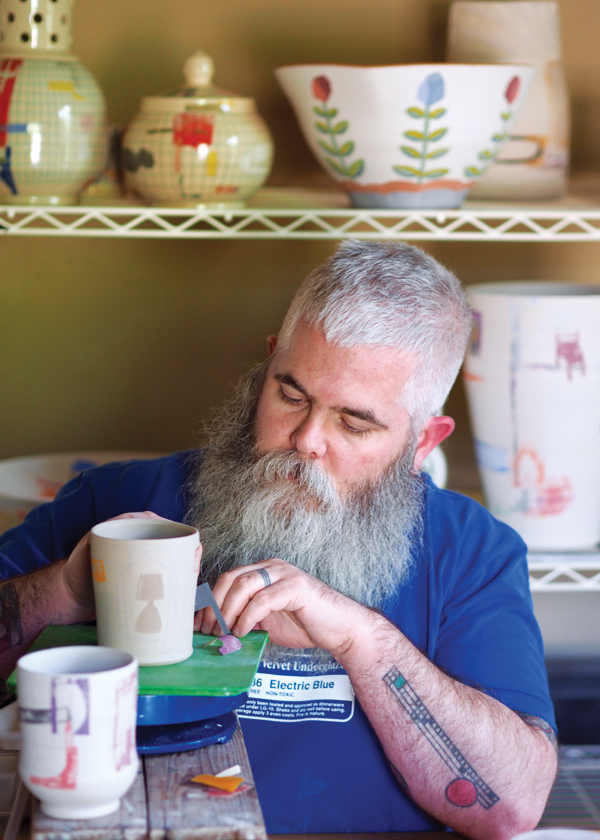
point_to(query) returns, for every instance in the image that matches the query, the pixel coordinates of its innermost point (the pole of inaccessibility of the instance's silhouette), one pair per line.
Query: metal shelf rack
(275, 213)
(564, 572)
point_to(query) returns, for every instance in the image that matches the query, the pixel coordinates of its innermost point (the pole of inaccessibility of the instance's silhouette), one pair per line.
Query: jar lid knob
(198, 69)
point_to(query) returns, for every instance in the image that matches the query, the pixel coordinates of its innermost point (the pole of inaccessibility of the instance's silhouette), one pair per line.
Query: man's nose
(308, 438)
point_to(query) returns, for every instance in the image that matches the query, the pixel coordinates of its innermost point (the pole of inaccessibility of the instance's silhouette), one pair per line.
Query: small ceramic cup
(77, 710)
(145, 573)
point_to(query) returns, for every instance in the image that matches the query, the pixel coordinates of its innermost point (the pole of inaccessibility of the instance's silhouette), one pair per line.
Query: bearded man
(404, 687)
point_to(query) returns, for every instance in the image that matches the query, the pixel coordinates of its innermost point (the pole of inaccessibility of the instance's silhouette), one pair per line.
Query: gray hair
(390, 294)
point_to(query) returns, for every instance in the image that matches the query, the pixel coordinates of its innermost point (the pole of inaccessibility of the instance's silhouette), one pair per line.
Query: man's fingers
(241, 589)
(275, 598)
(232, 592)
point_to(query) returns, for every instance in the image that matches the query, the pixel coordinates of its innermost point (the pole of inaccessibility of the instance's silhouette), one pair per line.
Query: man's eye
(354, 431)
(290, 400)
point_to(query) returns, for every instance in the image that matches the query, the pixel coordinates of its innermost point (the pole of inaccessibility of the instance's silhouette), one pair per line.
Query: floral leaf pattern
(335, 153)
(488, 156)
(430, 91)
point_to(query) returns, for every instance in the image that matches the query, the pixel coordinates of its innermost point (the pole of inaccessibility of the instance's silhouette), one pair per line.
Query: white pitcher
(534, 162)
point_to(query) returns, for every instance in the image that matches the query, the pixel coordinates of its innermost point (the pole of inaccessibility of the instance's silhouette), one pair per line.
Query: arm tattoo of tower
(11, 632)
(468, 787)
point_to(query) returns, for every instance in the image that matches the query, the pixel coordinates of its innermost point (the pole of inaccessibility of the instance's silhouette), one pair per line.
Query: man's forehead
(369, 374)
(308, 343)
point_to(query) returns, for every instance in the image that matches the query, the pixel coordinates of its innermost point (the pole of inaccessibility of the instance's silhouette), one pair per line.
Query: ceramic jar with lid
(198, 145)
(53, 124)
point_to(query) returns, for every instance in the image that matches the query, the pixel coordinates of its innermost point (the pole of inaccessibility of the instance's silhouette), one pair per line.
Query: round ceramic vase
(534, 163)
(77, 713)
(145, 574)
(408, 136)
(198, 146)
(53, 125)
(532, 375)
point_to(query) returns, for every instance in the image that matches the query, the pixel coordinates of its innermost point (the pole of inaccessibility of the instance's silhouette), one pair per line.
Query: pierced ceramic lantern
(53, 125)
(198, 145)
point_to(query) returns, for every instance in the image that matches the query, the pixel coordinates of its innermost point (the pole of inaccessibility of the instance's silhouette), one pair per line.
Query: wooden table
(164, 803)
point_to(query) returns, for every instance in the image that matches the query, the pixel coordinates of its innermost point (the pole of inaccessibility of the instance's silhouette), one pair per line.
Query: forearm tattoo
(11, 632)
(468, 787)
(539, 723)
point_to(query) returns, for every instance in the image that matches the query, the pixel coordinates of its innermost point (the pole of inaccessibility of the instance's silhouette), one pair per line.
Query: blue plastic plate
(161, 709)
(178, 737)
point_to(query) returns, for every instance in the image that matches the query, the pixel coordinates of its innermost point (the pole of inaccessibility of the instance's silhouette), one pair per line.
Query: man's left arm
(464, 757)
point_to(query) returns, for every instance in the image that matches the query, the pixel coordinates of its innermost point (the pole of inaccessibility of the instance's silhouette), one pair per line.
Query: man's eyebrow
(360, 414)
(288, 379)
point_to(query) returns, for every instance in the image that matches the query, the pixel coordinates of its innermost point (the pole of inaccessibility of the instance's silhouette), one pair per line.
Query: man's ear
(272, 344)
(433, 433)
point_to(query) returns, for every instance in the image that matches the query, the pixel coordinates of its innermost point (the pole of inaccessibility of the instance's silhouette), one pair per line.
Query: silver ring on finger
(265, 576)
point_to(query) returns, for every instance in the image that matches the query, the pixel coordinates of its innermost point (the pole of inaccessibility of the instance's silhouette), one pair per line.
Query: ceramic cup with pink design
(532, 376)
(77, 712)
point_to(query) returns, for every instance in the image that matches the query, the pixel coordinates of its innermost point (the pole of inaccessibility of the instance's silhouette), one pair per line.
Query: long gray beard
(249, 507)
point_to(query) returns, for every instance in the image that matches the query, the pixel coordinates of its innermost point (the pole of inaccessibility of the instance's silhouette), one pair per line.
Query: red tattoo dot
(461, 792)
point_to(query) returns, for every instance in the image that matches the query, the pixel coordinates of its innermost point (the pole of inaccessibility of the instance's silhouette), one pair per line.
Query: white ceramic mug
(78, 710)
(145, 574)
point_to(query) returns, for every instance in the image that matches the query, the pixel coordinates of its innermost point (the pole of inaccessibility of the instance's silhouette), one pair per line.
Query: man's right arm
(30, 603)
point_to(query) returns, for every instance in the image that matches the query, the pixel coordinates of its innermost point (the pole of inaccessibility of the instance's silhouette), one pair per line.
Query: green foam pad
(207, 672)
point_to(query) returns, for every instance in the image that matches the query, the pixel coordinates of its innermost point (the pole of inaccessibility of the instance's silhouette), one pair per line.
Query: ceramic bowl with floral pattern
(406, 136)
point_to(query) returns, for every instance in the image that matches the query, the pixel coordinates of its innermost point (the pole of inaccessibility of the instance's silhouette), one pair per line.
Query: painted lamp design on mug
(150, 588)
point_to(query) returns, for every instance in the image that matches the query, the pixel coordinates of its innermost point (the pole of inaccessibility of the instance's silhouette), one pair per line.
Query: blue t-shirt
(317, 763)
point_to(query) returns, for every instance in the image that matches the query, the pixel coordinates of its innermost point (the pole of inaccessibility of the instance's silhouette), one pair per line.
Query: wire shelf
(276, 213)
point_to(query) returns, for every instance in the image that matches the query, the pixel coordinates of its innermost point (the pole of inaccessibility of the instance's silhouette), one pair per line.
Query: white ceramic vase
(534, 163)
(532, 375)
(53, 125)
(78, 711)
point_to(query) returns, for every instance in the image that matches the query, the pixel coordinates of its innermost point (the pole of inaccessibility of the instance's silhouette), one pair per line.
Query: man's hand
(77, 571)
(296, 609)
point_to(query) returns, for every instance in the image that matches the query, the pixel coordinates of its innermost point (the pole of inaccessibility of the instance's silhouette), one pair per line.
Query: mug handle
(540, 143)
